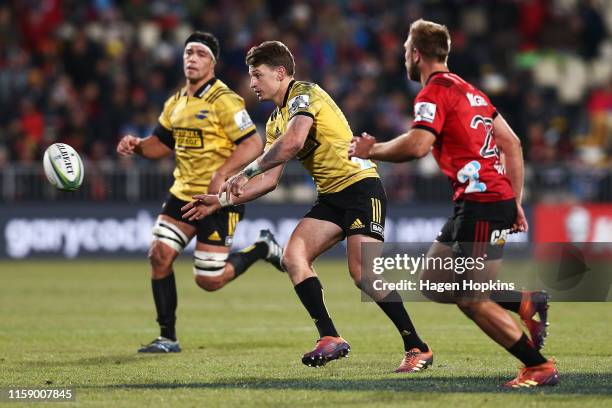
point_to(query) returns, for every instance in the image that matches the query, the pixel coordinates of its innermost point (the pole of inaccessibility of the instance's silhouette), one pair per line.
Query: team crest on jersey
(298, 102)
(202, 114)
(243, 120)
(424, 112)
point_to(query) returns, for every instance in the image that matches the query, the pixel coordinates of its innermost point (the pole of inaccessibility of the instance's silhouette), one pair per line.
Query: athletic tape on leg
(209, 263)
(170, 235)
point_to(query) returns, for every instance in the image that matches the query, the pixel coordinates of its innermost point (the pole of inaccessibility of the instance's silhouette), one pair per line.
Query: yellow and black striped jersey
(325, 152)
(203, 130)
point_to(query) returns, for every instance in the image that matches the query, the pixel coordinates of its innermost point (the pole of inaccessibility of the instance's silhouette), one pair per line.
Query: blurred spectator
(599, 108)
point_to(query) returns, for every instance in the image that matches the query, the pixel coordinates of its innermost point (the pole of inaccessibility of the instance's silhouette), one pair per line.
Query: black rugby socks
(164, 294)
(524, 351)
(243, 259)
(394, 308)
(310, 293)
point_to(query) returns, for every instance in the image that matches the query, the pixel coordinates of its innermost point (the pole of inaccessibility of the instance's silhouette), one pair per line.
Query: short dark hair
(207, 39)
(431, 39)
(272, 53)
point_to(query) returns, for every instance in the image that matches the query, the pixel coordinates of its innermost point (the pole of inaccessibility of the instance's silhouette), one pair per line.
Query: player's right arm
(159, 144)
(408, 146)
(510, 146)
(429, 118)
(206, 204)
(150, 147)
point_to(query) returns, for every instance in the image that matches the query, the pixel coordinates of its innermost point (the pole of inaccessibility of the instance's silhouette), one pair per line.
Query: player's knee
(293, 262)
(161, 259)
(209, 269)
(355, 271)
(468, 307)
(209, 283)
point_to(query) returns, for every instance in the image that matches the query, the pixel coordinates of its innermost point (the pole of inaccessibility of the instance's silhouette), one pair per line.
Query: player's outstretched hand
(360, 146)
(201, 206)
(127, 144)
(520, 225)
(234, 185)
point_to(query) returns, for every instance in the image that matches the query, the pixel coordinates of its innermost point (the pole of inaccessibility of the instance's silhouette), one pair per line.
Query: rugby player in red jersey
(468, 137)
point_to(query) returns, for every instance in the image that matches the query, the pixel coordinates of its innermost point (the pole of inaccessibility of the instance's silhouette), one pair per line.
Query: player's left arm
(408, 146)
(510, 146)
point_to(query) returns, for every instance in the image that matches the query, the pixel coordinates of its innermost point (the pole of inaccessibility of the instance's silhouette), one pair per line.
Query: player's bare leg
(170, 237)
(438, 250)
(310, 239)
(494, 320)
(417, 355)
(497, 324)
(531, 307)
(215, 267)
(211, 271)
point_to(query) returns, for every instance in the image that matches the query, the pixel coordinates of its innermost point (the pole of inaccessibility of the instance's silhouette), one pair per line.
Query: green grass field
(79, 324)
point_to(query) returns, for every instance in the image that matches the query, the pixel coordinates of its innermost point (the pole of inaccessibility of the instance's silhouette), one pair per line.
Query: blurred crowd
(88, 72)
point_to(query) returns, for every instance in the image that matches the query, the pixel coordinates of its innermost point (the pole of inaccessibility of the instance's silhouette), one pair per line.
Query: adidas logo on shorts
(214, 236)
(357, 224)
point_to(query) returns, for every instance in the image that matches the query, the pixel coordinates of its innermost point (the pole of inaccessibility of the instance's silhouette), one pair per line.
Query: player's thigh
(365, 208)
(214, 238)
(310, 239)
(218, 228)
(354, 252)
(434, 274)
(481, 229)
(474, 237)
(170, 236)
(209, 266)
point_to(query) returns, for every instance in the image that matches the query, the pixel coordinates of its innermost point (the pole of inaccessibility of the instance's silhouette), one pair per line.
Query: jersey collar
(287, 93)
(435, 73)
(204, 88)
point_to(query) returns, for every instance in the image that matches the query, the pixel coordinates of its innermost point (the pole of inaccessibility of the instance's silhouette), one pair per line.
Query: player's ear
(417, 55)
(280, 73)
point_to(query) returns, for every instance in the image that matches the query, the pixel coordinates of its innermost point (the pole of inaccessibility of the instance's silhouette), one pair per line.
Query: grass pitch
(79, 324)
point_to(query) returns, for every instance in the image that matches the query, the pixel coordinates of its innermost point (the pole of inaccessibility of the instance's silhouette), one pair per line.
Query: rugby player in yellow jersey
(207, 127)
(308, 125)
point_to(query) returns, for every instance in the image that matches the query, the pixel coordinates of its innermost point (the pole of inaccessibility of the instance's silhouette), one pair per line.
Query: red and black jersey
(461, 118)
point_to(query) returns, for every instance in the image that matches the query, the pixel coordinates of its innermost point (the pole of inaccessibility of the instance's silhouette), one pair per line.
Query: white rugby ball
(63, 167)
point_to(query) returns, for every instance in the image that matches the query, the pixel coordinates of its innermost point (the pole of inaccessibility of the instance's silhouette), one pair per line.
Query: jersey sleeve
(303, 100)
(492, 107)
(163, 130)
(234, 118)
(430, 109)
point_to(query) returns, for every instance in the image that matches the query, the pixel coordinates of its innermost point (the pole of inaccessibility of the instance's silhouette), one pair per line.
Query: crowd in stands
(88, 72)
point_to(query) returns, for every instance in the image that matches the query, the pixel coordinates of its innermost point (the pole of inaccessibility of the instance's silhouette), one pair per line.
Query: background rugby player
(212, 136)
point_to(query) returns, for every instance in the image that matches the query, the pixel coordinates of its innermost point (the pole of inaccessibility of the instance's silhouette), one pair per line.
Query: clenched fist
(127, 145)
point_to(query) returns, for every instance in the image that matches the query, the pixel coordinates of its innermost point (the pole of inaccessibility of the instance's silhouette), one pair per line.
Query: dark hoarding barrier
(124, 230)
